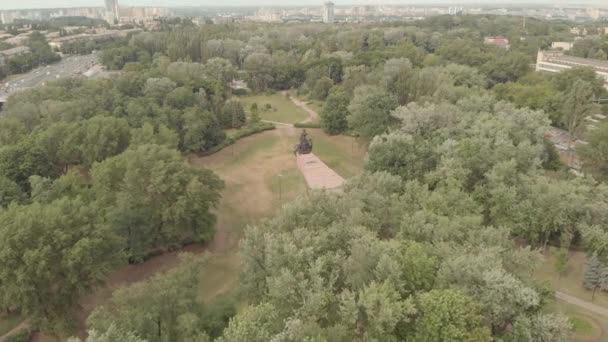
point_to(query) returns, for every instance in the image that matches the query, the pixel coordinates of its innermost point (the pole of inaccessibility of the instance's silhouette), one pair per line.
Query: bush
(239, 92)
(307, 125)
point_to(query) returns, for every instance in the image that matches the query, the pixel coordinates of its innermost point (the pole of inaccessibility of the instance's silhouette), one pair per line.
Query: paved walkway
(582, 303)
(318, 175)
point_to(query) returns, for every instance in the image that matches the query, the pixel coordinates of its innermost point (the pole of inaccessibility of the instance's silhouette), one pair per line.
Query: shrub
(307, 125)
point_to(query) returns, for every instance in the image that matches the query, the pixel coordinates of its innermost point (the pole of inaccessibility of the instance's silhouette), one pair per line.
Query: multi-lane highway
(69, 66)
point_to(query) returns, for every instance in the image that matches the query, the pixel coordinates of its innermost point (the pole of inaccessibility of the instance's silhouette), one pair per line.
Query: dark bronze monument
(305, 145)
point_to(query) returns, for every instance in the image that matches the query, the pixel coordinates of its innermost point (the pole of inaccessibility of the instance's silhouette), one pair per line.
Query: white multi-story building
(557, 61)
(328, 12)
(112, 12)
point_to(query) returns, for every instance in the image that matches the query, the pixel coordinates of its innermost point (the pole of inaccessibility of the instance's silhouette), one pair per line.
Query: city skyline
(30, 4)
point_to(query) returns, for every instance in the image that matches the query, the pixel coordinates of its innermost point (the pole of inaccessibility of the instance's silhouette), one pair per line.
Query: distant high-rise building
(112, 11)
(328, 12)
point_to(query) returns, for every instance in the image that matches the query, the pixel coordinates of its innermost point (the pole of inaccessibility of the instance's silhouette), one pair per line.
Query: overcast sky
(15, 4)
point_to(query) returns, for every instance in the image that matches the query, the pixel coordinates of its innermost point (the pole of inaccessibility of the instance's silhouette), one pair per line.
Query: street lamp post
(281, 187)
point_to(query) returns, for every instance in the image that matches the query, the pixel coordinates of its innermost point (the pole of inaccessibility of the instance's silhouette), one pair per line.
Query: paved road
(582, 303)
(68, 67)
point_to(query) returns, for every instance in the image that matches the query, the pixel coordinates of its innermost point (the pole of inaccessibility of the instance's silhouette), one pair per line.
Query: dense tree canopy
(419, 247)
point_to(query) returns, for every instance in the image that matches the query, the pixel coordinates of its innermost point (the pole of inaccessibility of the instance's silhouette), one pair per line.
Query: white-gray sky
(18, 4)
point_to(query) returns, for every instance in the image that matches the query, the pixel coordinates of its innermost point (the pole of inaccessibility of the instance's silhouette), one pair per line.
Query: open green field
(344, 154)
(283, 110)
(315, 105)
(261, 175)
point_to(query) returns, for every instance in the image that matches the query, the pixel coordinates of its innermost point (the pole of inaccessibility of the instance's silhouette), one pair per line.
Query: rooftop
(15, 51)
(596, 63)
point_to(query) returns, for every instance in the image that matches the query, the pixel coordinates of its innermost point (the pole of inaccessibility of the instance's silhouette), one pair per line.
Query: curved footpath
(600, 310)
(312, 115)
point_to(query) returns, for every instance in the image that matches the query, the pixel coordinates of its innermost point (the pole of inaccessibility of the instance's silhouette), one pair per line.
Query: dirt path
(279, 124)
(582, 303)
(21, 326)
(312, 115)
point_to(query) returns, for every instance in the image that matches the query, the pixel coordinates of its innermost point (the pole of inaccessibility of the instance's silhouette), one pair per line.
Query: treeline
(418, 248)
(441, 58)
(92, 176)
(53, 24)
(421, 247)
(591, 47)
(86, 47)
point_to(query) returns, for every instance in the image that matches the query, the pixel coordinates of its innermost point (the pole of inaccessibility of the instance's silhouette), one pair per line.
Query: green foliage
(259, 71)
(595, 154)
(507, 67)
(154, 199)
(103, 137)
(162, 308)
(542, 327)
(251, 129)
(592, 278)
(335, 112)
(401, 155)
(561, 261)
(370, 111)
(40, 54)
(307, 125)
(19, 162)
(577, 106)
(53, 254)
(449, 316)
(550, 159)
(233, 115)
(22, 336)
(202, 131)
(9, 192)
(110, 335)
(344, 267)
(321, 89)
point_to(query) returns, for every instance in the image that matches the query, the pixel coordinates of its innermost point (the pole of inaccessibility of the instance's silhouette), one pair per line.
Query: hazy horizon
(29, 4)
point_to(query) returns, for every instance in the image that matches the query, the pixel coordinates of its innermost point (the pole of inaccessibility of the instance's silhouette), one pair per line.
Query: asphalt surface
(69, 66)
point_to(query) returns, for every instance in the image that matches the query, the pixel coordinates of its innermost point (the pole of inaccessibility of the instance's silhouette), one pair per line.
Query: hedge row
(307, 125)
(242, 133)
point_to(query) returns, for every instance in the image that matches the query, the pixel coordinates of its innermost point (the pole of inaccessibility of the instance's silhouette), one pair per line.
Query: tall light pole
(281, 187)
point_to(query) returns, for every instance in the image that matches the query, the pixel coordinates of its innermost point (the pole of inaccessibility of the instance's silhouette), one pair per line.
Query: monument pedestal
(318, 175)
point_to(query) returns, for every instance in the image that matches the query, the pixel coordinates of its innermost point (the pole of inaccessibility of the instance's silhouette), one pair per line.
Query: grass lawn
(254, 191)
(344, 154)
(8, 322)
(571, 282)
(315, 105)
(586, 326)
(283, 110)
